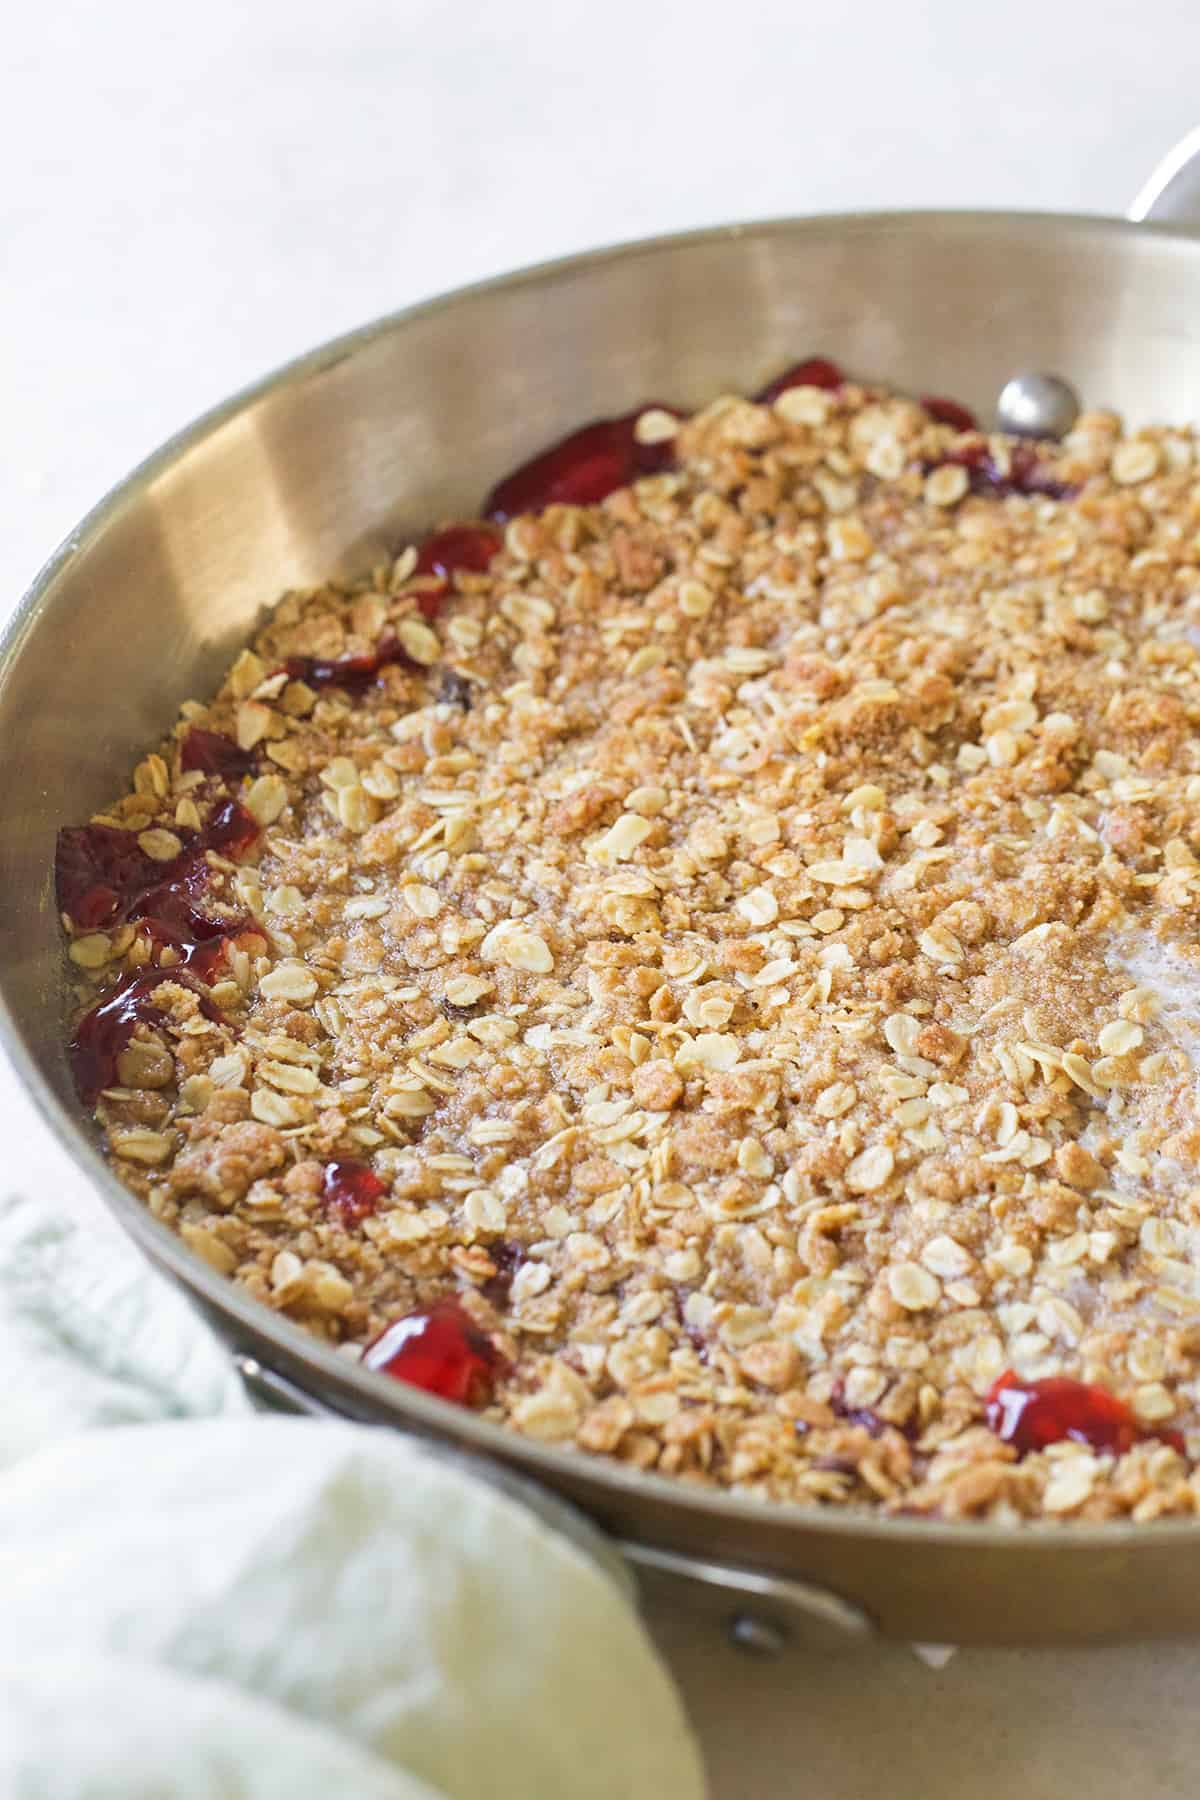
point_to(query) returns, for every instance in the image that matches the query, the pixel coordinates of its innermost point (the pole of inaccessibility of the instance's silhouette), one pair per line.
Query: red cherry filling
(96, 869)
(469, 547)
(507, 1257)
(457, 547)
(172, 910)
(354, 673)
(229, 829)
(214, 754)
(949, 412)
(103, 878)
(103, 1033)
(583, 468)
(1025, 474)
(349, 1190)
(441, 1349)
(817, 371)
(1031, 1414)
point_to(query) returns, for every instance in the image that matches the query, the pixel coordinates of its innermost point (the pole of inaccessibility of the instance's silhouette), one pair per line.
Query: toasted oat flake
(92, 950)
(285, 900)
(649, 801)
(421, 899)
(209, 1247)
(253, 722)
(291, 982)
(803, 405)
(902, 1031)
(1070, 1485)
(709, 1050)
(943, 1256)
(149, 1148)
(266, 799)
(941, 945)
(947, 485)
(621, 840)
(836, 1099)
(759, 906)
(419, 641)
(1134, 462)
(467, 990)
(356, 810)
(655, 426)
(160, 845)
(848, 540)
(526, 950)
(695, 599)
(914, 1288)
(1119, 1037)
(339, 772)
(870, 1170)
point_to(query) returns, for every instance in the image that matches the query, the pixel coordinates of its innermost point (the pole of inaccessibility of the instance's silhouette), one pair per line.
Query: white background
(191, 194)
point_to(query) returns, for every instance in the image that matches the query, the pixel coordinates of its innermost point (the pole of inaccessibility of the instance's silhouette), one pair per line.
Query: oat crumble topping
(751, 936)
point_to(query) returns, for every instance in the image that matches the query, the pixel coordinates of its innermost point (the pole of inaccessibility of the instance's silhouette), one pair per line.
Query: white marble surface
(193, 194)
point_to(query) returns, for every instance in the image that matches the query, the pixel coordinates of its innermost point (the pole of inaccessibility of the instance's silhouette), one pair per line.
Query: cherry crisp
(702, 963)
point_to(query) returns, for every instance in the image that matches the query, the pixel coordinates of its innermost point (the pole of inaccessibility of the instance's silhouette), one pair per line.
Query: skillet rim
(388, 1401)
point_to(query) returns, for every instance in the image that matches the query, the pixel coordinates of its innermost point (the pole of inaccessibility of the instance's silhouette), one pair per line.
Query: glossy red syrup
(354, 673)
(101, 1036)
(206, 958)
(97, 869)
(584, 468)
(173, 913)
(214, 754)
(470, 547)
(103, 879)
(816, 371)
(1031, 1414)
(442, 1350)
(349, 1191)
(594, 461)
(1025, 474)
(949, 412)
(230, 829)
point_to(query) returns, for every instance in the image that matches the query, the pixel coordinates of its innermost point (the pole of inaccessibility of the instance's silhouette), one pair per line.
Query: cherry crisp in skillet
(703, 964)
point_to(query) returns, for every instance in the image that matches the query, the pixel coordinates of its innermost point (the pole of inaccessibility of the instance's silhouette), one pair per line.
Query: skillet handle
(758, 1612)
(1171, 195)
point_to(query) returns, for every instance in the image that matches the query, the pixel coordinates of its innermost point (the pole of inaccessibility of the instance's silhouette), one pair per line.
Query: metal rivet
(757, 1636)
(1033, 405)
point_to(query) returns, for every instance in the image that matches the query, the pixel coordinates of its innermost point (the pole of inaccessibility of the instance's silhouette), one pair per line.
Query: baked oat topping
(726, 944)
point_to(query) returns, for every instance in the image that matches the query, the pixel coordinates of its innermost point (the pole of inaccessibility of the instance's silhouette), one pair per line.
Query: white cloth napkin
(89, 1335)
(200, 1602)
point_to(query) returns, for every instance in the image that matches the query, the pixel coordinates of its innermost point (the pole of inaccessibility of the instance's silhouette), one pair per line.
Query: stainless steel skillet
(345, 452)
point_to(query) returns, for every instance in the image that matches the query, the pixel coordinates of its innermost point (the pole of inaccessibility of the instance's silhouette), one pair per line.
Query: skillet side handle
(1171, 195)
(271, 1391)
(759, 1613)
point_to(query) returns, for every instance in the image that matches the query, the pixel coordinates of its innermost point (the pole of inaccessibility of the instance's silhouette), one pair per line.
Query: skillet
(327, 465)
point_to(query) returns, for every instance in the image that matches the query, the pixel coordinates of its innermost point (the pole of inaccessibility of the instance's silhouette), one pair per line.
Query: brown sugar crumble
(740, 946)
